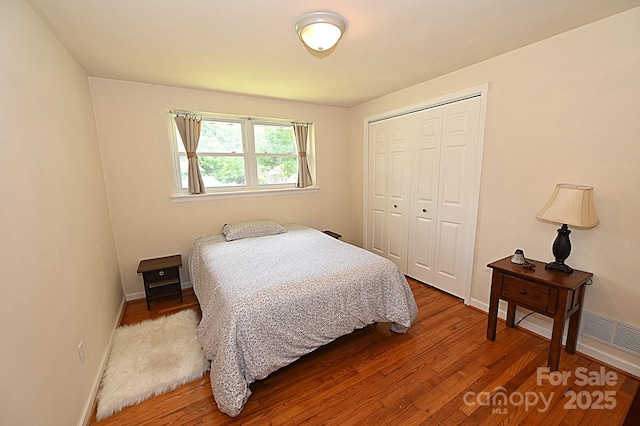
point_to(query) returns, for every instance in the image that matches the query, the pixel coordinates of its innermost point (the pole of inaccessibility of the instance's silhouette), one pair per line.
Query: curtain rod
(185, 114)
(236, 117)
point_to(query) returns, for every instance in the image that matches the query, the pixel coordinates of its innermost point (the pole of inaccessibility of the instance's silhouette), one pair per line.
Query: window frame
(249, 154)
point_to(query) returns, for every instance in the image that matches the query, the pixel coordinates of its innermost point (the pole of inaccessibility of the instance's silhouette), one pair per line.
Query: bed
(268, 298)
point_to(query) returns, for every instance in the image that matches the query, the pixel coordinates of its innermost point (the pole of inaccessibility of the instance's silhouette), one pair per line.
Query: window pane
(274, 170)
(222, 171)
(184, 170)
(179, 143)
(274, 139)
(220, 136)
(215, 171)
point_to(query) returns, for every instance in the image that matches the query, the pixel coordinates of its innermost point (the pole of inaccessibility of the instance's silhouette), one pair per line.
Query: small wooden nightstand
(333, 234)
(161, 277)
(555, 294)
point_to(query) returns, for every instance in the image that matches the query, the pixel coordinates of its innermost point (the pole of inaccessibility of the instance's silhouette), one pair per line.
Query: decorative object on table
(519, 259)
(569, 205)
(151, 358)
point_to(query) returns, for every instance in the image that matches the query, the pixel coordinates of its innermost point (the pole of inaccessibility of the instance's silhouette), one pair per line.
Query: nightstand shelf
(161, 277)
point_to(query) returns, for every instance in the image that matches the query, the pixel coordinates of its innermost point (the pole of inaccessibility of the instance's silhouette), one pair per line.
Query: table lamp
(569, 205)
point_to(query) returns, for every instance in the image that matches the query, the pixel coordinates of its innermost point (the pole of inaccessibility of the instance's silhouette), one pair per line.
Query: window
(241, 154)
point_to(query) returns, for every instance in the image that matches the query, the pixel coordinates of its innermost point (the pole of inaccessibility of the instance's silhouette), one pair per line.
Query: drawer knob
(161, 273)
(523, 291)
(424, 210)
(395, 206)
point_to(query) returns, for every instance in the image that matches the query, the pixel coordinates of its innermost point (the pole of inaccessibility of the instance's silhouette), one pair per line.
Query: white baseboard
(88, 408)
(545, 331)
(141, 295)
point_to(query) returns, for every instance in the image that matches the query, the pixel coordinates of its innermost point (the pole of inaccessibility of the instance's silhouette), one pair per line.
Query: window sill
(187, 198)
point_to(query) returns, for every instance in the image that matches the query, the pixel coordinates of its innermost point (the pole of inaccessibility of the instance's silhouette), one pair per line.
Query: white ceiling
(250, 46)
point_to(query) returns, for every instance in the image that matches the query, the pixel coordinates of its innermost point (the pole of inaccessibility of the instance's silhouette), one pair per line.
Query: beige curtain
(189, 128)
(301, 132)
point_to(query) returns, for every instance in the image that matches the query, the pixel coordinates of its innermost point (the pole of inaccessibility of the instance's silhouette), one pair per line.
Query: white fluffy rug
(150, 358)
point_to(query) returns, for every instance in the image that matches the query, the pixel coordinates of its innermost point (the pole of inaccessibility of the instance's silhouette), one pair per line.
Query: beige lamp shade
(571, 204)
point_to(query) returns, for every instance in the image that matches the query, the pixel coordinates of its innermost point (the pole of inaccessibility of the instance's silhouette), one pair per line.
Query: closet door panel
(378, 146)
(377, 231)
(422, 231)
(398, 190)
(450, 218)
(453, 175)
(422, 253)
(396, 175)
(397, 249)
(449, 233)
(455, 210)
(380, 175)
(424, 193)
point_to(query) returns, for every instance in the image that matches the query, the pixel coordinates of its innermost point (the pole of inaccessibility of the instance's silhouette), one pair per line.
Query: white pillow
(252, 229)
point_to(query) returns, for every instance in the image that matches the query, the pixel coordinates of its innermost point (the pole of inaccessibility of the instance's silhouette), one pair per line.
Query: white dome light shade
(320, 36)
(320, 30)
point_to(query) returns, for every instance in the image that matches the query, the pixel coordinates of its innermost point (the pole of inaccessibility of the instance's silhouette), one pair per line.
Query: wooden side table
(161, 277)
(333, 234)
(555, 294)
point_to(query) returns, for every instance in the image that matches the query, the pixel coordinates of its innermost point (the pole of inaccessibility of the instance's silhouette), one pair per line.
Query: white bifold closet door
(423, 192)
(389, 184)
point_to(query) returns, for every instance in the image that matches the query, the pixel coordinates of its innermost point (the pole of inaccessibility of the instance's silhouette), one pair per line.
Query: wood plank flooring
(440, 372)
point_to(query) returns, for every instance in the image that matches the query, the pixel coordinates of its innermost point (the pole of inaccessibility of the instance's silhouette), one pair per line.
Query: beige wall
(562, 110)
(565, 109)
(134, 138)
(60, 279)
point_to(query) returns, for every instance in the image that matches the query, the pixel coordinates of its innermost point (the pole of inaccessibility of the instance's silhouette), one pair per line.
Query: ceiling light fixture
(320, 30)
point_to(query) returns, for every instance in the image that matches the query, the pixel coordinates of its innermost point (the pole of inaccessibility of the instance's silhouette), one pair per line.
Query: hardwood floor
(438, 373)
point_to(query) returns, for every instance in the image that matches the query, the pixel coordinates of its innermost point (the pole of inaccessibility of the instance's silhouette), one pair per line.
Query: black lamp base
(559, 266)
(561, 250)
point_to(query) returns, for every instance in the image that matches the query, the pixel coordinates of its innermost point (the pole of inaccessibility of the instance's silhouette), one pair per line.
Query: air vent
(627, 337)
(613, 333)
(599, 328)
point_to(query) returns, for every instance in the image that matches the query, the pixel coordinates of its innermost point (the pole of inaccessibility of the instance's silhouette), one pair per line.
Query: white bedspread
(269, 300)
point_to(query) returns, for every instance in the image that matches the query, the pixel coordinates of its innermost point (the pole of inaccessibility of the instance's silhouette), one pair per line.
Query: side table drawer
(526, 293)
(161, 276)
